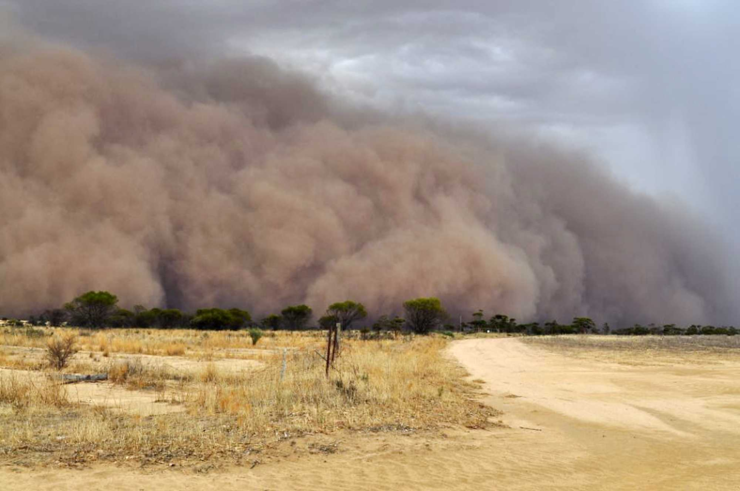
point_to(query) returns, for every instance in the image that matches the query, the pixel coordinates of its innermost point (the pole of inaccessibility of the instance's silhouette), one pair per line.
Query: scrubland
(187, 397)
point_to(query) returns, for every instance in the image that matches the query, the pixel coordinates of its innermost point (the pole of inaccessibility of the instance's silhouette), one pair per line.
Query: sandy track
(601, 426)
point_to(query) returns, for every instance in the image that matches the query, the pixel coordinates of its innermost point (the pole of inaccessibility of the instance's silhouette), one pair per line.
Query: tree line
(99, 309)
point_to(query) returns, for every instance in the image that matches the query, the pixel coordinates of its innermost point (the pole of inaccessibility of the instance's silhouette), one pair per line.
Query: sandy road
(573, 425)
(674, 426)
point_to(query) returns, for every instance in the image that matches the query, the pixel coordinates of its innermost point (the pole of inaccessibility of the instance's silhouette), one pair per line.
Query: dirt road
(572, 425)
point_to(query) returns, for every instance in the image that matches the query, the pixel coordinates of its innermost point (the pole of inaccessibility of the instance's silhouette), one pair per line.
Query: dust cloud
(239, 183)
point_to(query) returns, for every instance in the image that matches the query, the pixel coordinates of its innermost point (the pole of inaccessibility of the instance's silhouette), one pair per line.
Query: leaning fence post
(328, 351)
(336, 341)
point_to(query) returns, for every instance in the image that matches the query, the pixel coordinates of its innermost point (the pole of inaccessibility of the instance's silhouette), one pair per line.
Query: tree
(385, 323)
(583, 325)
(347, 312)
(54, 317)
(169, 318)
(478, 323)
(327, 321)
(92, 309)
(272, 322)
(218, 319)
(295, 317)
(424, 314)
(121, 318)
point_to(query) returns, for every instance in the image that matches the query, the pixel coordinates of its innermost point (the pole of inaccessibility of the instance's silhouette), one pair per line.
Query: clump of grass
(23, 393)
(175, 349)
(60, 349)
(210, 373)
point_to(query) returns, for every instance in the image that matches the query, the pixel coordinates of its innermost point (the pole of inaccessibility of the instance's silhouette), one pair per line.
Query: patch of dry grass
(24, 392)
(389, 385)
(643, 349)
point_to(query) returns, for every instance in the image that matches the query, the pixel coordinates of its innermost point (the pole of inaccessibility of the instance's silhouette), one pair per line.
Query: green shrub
(255, 334)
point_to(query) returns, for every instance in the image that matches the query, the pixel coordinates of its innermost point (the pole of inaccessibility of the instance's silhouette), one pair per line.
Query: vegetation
(296, 317)
(98, 309)
(346, 313)
(424, 314)
(220, 416)
(256, 334)
(92, 309)
(215, 319)
(271, 322)
(60, 349)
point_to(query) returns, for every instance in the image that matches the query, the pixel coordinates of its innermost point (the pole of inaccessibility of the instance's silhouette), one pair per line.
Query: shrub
(60, 349)
(255, 334)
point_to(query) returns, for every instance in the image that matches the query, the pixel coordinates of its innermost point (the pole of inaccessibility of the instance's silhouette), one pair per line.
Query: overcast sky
(650, 86)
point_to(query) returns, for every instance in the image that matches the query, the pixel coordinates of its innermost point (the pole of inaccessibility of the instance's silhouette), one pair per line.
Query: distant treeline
(584, 325)
(421, 315)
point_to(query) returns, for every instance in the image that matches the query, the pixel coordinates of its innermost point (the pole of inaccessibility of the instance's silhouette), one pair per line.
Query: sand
(572, 424)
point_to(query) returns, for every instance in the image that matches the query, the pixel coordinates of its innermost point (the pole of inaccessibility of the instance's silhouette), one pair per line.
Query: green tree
(219, 319)
(347, 312)
(424, 314)
(388, 324)
(55, 317)
(272, 322)
(170, 318)
(502, 323)
(92, 309)
(583, 325)
(478, 323)
(327, 321)
(295, 317)
(121, 318)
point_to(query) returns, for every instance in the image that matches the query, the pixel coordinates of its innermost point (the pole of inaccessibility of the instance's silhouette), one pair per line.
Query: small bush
(256, 334)
(59, 350)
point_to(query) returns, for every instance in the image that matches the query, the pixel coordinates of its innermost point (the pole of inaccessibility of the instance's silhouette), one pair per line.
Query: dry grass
(390, 385)
(643, 349)
(24, 392)
(172, 342)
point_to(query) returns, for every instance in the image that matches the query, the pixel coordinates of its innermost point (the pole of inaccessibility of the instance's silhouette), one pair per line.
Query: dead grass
(24, 392)
(643, 349)
(389, 385)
